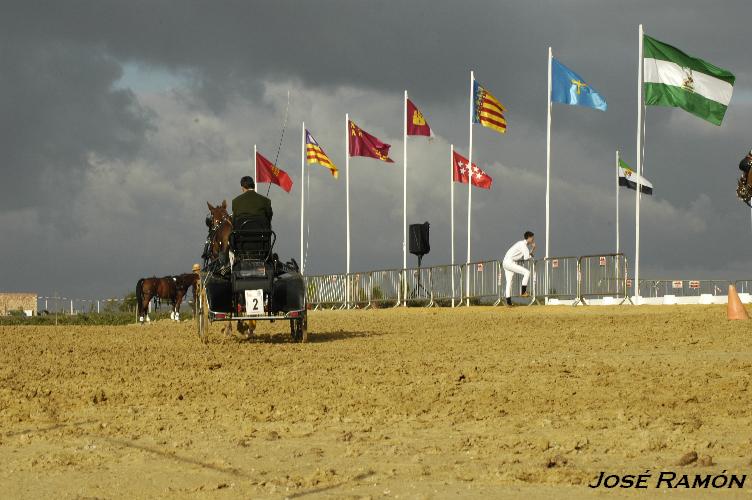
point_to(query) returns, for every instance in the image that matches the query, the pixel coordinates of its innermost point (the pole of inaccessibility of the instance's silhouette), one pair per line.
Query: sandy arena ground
(416, 403)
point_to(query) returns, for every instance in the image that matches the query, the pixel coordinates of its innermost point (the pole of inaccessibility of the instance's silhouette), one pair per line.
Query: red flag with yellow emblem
(416, 122)
(364, 144)
(266, 171)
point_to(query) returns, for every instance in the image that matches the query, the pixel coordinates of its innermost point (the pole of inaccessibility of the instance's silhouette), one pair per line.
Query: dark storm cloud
(59, 109)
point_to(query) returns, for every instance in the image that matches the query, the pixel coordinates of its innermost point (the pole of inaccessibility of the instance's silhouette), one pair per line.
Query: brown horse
(218, 252)
(169, 288)
(149, 288)
(218, 242)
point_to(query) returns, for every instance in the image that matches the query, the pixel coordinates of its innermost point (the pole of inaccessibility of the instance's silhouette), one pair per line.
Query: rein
(225, 218)
(744, 191)
(215, 228)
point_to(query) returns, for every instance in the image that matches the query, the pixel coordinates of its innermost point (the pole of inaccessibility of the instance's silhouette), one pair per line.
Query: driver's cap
(196, 268)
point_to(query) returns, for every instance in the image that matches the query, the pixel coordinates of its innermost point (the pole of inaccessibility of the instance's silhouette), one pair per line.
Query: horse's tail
(139, 295)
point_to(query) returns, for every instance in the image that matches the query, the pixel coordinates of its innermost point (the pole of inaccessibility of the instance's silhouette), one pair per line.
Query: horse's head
(221, 226)
(186, 281)
(218, 214)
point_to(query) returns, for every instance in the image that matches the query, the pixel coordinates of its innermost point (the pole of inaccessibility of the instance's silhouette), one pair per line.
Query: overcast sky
(120, 120)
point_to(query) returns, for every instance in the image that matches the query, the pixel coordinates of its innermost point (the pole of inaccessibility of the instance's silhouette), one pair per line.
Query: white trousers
(510, 268)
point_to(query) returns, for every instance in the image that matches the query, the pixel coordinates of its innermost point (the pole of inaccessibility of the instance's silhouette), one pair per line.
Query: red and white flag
(463, 169)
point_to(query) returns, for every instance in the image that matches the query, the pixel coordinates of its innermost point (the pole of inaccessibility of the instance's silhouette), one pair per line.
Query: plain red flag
(364, 144)
(416, 122)
(461, 169)
(266, 171)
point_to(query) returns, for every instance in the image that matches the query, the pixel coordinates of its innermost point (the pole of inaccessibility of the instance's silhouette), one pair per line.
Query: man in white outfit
(522, 250)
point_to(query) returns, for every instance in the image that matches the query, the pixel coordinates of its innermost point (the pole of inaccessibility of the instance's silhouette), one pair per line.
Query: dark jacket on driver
(252, 204)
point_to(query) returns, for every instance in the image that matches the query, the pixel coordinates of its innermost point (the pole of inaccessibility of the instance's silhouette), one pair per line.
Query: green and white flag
(628, 179)
(672, 78)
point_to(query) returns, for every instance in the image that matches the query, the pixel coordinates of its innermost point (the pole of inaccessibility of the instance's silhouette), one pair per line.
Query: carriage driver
(250, 203)
(518, 251)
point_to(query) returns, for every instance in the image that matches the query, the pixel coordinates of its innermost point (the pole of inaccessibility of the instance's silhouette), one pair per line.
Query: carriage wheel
(299, 328)
(304, 327)
(197, 307)
(203, 316)
(294, 330)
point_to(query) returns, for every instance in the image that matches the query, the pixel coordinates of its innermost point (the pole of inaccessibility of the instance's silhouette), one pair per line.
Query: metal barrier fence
(67, 305)
(577, 279)
(557, 278)
(687, 288)
(482, 282)
(73, 306)
(601, 276)
(384, 289)
(326, 291)
(447, 285)
(743, 286)
(419, 286)
(360, 289)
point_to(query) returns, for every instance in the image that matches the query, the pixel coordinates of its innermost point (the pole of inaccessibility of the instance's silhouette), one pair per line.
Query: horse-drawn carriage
(243, 280)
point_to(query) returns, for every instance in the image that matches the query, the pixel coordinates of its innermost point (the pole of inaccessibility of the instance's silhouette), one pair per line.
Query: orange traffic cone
(735, 309)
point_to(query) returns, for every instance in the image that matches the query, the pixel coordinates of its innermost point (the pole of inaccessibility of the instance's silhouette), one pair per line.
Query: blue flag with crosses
(567, 87)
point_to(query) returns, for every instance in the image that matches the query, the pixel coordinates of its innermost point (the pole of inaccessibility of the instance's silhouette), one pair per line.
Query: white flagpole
(548, 157)
(255, 167)
(302, 192)
(469, 189)
(404, 204)
(617, 201)
(451, 218)
(347, 206)
(636, 283)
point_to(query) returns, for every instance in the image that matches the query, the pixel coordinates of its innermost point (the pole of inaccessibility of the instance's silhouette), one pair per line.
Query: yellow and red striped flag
(489, 112)
(316, 154)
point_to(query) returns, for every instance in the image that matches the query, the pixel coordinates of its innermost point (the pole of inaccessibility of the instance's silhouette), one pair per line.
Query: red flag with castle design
(364, 144)
(416, 122)
(462, 168)
(266, 171)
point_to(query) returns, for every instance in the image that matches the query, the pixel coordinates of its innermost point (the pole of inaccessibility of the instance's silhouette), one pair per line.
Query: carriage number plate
(254, 302)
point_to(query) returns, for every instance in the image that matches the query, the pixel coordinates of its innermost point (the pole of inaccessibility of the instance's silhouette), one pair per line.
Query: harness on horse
(743, 188)
(220, 264)
(744, 191)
